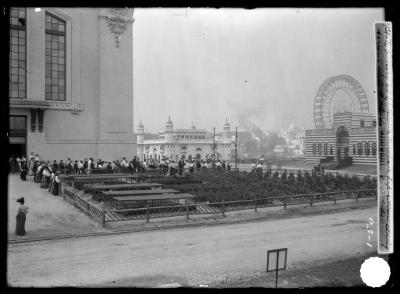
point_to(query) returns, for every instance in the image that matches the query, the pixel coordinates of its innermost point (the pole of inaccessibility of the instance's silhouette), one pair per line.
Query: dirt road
(199, 255)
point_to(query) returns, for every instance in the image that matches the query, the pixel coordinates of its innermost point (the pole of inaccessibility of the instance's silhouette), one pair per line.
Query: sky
(202, 66)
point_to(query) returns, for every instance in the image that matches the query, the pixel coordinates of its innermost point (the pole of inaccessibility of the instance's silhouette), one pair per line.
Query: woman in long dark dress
(56, 184)
(24, 169)
(21, 217)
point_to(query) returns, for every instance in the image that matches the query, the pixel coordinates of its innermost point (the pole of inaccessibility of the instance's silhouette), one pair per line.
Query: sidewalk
(53, 217)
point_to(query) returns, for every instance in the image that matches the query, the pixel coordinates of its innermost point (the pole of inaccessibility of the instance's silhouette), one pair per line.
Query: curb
(167, 227)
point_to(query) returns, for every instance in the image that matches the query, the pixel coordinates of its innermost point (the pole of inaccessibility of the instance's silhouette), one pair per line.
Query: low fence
(75, 196)
(148, 213)
(104, 215)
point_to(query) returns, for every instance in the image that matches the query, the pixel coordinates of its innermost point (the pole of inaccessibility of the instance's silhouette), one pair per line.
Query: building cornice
(45, 104)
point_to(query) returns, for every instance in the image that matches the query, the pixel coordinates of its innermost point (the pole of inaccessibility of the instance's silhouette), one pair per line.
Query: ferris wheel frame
(327, 90)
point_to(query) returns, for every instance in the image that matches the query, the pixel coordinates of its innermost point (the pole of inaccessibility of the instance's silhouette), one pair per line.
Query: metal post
(214, 148)
(284, 203)
(276, 277)
(103, 218)
(223, 208)
(187, 211)
(236, 158)
(334, 198)
(147, 214)
(311, 200)
(356, 197)
(255, 203)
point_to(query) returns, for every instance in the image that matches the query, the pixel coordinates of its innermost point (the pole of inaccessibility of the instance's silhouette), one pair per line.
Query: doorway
(17, 135)
(342, 143)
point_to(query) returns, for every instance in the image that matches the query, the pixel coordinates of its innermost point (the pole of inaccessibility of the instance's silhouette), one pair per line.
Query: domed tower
(169, 128)
(140, 141)
(227, 130)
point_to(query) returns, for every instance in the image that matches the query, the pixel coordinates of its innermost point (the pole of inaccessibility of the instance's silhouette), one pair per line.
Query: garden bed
(214, 186)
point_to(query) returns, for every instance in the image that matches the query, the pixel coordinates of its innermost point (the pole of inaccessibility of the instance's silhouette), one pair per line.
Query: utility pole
(214, 148)
(236, 146)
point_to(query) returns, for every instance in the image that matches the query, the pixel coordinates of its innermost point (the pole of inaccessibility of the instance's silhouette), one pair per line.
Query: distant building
(294, 138)
(190, 144)
(350, 135)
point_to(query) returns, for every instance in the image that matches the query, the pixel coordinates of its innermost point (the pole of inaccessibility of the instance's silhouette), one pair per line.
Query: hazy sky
(203, 65)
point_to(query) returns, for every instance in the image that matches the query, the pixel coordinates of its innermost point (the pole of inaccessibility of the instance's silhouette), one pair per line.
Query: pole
(276, 278)
(214, 148)
(236, 149)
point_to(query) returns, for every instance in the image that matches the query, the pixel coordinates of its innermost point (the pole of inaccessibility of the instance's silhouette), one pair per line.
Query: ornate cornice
(59, 105)
(118, 23)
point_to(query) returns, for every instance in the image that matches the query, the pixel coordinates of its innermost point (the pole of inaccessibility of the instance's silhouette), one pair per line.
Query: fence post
(284, 203)
(356, 197)
(223, 208)
(187, 211)
(147, 214)
(103, 218)
(334, 198)
(255, 203)
(311, 200)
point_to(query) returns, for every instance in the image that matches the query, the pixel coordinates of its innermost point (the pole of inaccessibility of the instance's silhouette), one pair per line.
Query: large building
(190, 144)
(71, 83)
(345, 132)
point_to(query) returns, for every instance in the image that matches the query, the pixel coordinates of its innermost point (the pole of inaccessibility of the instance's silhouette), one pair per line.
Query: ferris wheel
(341, 93)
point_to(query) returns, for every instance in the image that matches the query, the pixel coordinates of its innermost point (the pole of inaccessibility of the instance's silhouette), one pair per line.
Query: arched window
(360, 149)
(313, 148)
(326, 149)
(362, 123)
(320, 148)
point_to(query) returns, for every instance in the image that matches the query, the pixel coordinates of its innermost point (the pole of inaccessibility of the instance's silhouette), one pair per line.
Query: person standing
(21, 217)
(18, 166)
(24, 169)
(56, 184)
(31, 164)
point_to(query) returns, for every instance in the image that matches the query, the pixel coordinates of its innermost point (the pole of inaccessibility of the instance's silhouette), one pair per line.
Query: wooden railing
(76, 197)
(222, 207)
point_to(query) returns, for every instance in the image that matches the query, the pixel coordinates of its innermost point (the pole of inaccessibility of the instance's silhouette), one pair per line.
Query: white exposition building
(70, 82)
(190, 144)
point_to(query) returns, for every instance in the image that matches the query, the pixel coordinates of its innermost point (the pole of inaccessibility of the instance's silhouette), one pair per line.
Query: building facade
(190, 144)
(71, 83)
(349, 136)
(353, 135)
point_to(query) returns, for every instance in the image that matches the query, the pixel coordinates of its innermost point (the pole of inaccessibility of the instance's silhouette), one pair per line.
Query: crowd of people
(171, 167)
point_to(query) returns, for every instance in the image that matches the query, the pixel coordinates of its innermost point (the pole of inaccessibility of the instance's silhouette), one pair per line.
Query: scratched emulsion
(383, 32)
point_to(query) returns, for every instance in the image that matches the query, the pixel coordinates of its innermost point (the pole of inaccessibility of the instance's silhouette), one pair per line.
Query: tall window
(326, 148)
(361, 123)
(367, 148)
(360, 149)
(314, 148)
(55, 58)
(17, 65)
(374, 148)
(320, 148)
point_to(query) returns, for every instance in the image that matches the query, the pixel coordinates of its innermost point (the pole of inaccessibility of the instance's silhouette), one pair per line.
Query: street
(190, 253)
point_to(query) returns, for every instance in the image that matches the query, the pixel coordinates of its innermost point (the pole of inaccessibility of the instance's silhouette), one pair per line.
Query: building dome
(169, 122)
(169, 125)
